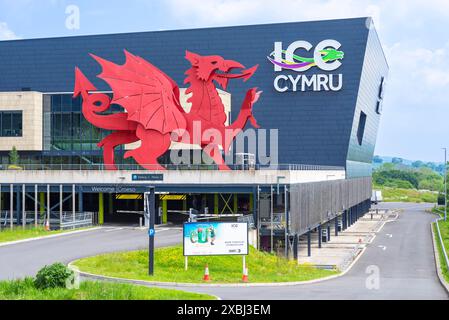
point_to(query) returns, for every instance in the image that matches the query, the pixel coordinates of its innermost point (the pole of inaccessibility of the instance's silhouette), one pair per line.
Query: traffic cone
(206, 274)
(47, 225)
(245, 274)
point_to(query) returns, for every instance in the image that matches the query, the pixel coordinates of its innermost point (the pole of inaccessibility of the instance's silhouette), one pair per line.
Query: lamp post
(445, 184)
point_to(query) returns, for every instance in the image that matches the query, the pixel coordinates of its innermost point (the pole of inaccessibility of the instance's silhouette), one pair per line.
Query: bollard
(140, 222)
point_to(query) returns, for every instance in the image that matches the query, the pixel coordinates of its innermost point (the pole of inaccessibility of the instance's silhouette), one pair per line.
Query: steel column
(336, 226)
(60, 205)
(286, 221)
(295, 247)
(11, 205)
(35, 205)
(24, 217)
(309, 243)
(328, 232)
(48, 205)
(18, 204)
(272, 221)
(320, 233)
(74, 202)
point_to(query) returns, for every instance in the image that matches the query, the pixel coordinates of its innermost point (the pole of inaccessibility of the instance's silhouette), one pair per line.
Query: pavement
(25, 259)
(398, 264)
(342, 250)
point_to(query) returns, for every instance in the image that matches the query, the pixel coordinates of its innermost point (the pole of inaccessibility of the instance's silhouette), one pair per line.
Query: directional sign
(148, 177)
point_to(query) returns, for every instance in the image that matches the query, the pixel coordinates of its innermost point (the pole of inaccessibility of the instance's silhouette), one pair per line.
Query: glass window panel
(7, 124)
(66, 104)
(56, 103)
(76, 104)
(17, 124)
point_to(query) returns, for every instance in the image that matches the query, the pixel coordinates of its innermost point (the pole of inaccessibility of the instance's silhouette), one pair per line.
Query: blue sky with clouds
(414, 34)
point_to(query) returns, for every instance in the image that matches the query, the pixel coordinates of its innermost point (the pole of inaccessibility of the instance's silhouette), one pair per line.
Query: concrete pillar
(216, 203)
(42, 203)
(100, 209)
(164, 211)
(236, 203)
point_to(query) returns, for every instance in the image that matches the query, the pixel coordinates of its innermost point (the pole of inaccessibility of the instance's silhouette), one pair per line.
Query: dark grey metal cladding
(314, 127)
(315, 203)
(375, 68)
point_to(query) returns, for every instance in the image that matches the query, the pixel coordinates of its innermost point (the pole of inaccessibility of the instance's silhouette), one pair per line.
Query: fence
(313, 203)
(134, 167)
(68, 220)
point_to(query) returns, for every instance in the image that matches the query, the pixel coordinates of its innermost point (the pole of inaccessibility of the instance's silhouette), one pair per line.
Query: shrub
(54, 276)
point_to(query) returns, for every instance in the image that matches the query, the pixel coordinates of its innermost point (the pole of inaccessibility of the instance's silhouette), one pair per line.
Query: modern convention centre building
(323, 84)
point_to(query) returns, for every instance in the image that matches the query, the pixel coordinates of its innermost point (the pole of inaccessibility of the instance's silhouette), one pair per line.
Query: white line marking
(382, 247)
(114, 229)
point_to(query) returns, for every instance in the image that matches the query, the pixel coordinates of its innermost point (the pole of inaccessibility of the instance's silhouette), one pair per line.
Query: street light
(445, 184)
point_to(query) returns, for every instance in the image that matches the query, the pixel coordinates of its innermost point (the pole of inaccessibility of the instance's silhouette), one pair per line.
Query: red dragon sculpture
(153, 109)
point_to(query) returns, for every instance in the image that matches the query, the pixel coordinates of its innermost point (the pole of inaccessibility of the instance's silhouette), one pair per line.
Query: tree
(14, 157)
(377, 159)
(397, 160)
(418, 164)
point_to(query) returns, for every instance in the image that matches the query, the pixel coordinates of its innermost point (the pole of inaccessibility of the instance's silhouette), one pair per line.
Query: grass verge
(407, 195)
(169, 267)
(92, 290)
(444, 229)
(18, 233)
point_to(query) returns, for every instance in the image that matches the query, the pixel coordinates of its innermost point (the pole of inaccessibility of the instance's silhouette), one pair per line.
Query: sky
(414, 34)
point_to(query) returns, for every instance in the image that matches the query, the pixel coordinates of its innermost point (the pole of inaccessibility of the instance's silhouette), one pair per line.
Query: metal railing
(135, 167)
(66, 221)
(79, 220)
(440, 238)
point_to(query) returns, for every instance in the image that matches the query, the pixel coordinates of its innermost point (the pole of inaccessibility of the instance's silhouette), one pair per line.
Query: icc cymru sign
(326, 57)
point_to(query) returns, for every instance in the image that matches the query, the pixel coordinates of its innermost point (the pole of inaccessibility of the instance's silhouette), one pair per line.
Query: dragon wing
(150, 97)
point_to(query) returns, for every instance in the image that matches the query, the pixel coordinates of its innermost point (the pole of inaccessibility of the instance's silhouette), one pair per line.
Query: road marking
(382, 247)
(114, 229)
(389, 235)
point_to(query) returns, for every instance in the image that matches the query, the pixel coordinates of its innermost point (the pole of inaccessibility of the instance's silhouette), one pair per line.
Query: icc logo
(325, 56)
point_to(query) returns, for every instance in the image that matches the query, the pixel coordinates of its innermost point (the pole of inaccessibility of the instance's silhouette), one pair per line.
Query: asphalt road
(401, 255)
(25, 259)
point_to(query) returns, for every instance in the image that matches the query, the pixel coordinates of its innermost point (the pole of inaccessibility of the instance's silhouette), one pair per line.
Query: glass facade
(68, 138)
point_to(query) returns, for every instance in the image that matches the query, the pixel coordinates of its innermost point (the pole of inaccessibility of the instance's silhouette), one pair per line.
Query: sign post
(150, 213)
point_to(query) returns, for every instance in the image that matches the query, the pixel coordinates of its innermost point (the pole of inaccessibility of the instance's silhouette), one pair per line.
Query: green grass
(18, 233)
(90, 290)
(444, 229)
(407, 195)
(169, 267)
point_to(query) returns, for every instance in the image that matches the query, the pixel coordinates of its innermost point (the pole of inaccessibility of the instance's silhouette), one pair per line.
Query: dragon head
(215, 68)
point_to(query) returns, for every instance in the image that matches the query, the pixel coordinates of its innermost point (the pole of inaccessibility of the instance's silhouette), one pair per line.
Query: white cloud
(6, 33)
